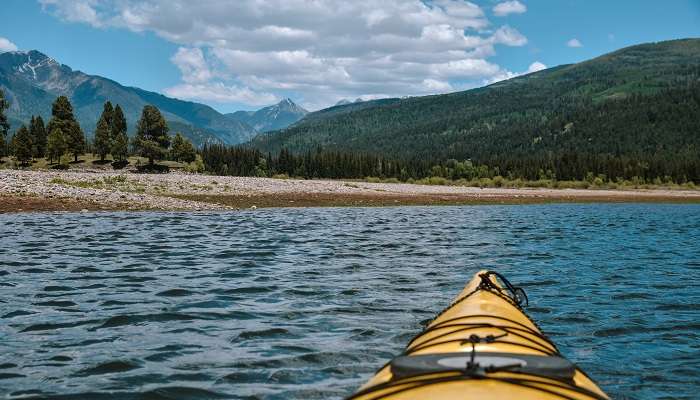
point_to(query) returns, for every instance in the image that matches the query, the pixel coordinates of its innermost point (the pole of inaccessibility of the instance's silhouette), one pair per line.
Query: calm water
(307, 303)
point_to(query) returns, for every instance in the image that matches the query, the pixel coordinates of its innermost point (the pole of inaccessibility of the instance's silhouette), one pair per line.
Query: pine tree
(120, 140)
(120, 147)
(108, 113)
(22, 145)
(152, 140)
(63, 119)
(38, 133)
(4, 125)
(56, 145)
(118, 122)
(103, 132)
(182, 149)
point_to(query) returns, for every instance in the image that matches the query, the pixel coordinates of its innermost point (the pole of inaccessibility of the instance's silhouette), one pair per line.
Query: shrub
(437, 180)
(197, 166)
(498, 181)
(485, 182)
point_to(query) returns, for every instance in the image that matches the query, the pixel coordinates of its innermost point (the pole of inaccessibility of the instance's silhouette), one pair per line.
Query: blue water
(307, 303)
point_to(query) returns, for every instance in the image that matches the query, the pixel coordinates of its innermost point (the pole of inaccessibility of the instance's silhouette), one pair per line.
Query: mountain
(637, 105)
(278, 116)
(31, 82)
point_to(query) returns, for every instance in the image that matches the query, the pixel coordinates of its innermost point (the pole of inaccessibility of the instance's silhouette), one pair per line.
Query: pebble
(153, 189)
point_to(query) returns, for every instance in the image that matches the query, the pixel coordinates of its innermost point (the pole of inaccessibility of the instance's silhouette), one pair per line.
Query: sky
(244, 54)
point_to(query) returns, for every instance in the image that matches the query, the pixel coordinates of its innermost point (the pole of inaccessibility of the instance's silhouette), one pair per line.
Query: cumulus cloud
(220, 93)
(536, 66)
(6, 45)
(505, 74)
(574, 43)
(509, 36)
(509, 7)
(76, 10)
(192, 65)
(317, 52)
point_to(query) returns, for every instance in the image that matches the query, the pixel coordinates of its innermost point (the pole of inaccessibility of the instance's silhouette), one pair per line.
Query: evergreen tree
(63, 119)
(4, 125)
(22, 145)
(38, 133)
(56, 145)
(120, 140)
(182, 149)
(120, 147)
(108, 113)
(118, 122)
(152, 140)
(103, 132)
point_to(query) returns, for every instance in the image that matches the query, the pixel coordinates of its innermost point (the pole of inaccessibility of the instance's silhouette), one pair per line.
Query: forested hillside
(633, 112)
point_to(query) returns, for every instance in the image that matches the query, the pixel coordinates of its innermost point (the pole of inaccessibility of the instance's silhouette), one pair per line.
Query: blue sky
(241, 55)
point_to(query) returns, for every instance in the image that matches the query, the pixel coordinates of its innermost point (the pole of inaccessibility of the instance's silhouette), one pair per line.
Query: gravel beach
(89, 190)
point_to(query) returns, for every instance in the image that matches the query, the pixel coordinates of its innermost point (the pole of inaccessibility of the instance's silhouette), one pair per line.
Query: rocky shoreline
(89, 190)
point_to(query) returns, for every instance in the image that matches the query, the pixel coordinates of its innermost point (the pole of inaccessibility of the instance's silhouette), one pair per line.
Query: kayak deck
(482, 346)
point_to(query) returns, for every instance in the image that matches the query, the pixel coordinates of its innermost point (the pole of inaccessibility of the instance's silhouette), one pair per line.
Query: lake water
(307, 303)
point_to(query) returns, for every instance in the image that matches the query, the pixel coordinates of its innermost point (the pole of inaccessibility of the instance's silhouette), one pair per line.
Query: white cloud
(509, 36)
(436, 86)
(318, 52)
(218, 92)
(574, 43)
(465, 68)
(6, 45)
(192, 65)
(509, 7)
(536, 66)
(76, 10)
(505, 74)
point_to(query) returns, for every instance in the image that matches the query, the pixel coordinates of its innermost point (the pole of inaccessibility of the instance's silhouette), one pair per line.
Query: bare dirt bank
(98, 190)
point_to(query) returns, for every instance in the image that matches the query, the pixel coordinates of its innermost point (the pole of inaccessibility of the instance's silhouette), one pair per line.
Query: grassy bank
(501, 182)
(92, 161)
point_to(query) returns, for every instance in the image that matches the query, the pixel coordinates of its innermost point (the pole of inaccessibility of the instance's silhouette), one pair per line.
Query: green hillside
(633, 112)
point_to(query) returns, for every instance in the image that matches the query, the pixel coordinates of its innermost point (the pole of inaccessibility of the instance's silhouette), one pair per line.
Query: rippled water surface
(307, 303)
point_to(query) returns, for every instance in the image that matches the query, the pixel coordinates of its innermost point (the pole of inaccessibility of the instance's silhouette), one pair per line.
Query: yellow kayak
(482, 346)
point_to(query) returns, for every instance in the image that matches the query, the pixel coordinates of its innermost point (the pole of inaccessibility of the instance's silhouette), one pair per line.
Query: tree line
(244, 160)
(64, 136)
(248, 161)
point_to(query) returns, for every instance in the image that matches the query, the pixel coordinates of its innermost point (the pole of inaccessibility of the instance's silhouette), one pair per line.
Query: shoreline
(97, 190)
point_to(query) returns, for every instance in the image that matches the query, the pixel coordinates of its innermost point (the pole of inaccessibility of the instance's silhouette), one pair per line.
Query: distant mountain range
(271, 118)
(639, 103)
(32, 81)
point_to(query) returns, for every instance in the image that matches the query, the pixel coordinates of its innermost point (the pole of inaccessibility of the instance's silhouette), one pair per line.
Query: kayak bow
(482, 346)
